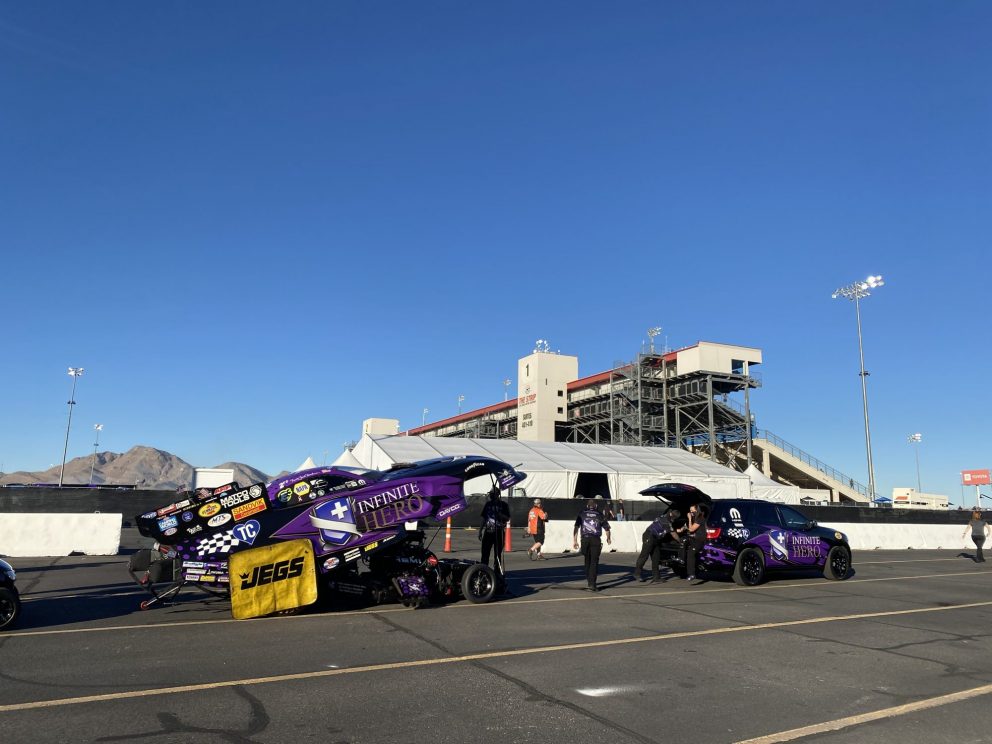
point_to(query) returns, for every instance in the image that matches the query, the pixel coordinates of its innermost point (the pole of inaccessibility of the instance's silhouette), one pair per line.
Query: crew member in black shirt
(591, 524)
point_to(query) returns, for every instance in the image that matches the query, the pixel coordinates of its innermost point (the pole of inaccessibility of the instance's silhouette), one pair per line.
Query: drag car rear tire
(479, 583)
(838, 564)
(750, 567)
(10, 607)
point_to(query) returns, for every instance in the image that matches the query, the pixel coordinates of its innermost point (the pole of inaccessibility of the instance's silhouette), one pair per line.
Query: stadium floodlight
(542, 345)
(857, 291)
(97, 428)
(916, 439)
(652, 332)
(74, 373)
(506, 389)
(423, 416)
(460, 399)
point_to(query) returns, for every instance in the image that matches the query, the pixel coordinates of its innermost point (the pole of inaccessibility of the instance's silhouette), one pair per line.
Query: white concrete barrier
(40, 535)
(869, 536)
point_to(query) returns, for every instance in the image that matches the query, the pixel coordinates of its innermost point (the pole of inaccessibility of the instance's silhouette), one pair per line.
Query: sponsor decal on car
(208, 510)
(166, 510)
(218, 520)
(168, 523)
(474, 466)
(208, 577)
(233, 499)
(301, 489)
(272, 578)
(285, 495)
(739, 533)
(246, 510)
(247, 532)
(223, 489)
(334, 520)
(149, 515)
(371, 546)
(255, 491)
(331, 563)
(352, 554)
(193, 564)
(194, 530)
(188, 516)
(171, 531)
(448, 510)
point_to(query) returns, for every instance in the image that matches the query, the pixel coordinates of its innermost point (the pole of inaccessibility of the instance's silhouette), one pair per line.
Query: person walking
(492, 533)
(536, 519)
(656, 533)
(591, 524)
(979, 530)
(695, 539)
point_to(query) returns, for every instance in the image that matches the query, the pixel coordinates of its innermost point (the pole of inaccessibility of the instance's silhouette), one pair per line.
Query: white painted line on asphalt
(157, 691)
(601, 596)
(876, 715)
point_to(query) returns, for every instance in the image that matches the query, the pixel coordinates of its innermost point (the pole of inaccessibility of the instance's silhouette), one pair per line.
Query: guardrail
(813, 462)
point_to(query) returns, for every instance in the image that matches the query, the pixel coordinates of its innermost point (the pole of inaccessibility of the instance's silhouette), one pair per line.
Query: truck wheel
(479, 583)
(750, 567)
(10, 607)
(838, 564)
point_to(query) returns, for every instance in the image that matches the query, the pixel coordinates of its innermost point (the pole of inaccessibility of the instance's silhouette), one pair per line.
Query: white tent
(763, 487)
(553, 468)
(306, 465)
(347, 460)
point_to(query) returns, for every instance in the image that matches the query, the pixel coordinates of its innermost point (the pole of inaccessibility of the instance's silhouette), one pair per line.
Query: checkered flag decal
(220, 543)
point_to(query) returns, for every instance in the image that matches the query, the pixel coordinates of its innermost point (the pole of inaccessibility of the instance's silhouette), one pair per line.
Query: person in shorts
(536, 519)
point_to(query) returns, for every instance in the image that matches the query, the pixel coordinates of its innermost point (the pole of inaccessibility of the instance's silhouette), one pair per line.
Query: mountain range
(144, 467)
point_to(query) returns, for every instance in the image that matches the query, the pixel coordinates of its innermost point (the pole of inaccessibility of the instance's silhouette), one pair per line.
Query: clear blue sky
(256, 225)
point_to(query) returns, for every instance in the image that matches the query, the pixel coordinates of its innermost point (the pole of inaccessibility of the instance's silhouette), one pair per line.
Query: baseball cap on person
(537, 502)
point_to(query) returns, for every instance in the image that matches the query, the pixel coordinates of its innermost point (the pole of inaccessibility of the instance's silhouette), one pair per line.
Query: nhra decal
(334, 520)
(246, 510)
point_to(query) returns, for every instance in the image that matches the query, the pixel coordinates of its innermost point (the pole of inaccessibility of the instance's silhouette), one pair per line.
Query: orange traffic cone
(506, 540)
(447, 536)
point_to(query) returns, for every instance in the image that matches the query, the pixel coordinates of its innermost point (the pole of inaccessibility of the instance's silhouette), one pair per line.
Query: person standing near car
(492, 532)
(695, 539)
(657, 532)
(536, 519)
(591, 524)
(979, 530)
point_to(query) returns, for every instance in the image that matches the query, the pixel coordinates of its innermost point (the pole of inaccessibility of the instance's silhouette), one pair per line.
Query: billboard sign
(975, 477)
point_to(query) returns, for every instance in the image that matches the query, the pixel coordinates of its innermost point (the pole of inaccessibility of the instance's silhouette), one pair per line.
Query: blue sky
(257, 225)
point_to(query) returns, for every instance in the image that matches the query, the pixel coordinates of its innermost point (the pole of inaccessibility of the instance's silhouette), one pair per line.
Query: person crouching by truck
(656, 533)
(536, 519)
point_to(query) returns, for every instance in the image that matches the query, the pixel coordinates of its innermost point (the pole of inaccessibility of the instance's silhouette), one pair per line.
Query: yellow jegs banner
(271, 579)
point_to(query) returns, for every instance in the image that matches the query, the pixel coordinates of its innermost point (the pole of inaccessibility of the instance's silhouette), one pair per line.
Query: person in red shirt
(536, 519)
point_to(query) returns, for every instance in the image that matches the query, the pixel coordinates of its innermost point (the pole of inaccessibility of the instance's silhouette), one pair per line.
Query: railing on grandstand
(813, 462)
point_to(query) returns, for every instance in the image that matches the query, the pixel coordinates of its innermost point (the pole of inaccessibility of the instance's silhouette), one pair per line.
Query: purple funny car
(349, 526)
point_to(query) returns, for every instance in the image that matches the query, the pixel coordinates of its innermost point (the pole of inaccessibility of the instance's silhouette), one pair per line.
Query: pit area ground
(900, 652)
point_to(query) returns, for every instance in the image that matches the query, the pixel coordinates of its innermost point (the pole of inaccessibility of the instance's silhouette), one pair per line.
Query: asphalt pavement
(900, 652)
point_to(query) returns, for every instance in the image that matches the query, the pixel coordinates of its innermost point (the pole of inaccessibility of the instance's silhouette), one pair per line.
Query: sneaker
(530, 554)
(690, 578)
(637, 576)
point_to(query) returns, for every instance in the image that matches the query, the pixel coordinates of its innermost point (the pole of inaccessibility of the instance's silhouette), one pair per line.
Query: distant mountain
(145, 467)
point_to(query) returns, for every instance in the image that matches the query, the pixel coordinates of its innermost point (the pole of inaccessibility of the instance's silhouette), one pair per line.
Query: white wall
(38, 535)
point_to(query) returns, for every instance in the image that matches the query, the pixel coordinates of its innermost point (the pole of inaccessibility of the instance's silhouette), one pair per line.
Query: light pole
(506, 389)
(652, 332)
(97, 428)
(460, 399)
(857, 292)
(423, 417)
(916, 439)
(74, 372)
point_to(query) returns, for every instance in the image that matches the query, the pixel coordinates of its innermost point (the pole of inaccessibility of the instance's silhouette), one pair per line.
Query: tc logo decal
(247, 532)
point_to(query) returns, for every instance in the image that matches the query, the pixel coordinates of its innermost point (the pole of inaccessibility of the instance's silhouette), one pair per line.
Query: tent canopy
(553, 468)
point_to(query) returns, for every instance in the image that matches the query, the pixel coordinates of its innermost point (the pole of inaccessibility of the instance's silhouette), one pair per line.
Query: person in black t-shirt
(660, 530)
(591, 524)
(695, 539)
(492, 532)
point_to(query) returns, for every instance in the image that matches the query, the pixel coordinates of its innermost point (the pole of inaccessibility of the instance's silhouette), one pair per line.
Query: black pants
(650, 546)
(979, 541)
(493, 542)
(691, 549)
(591, 547)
